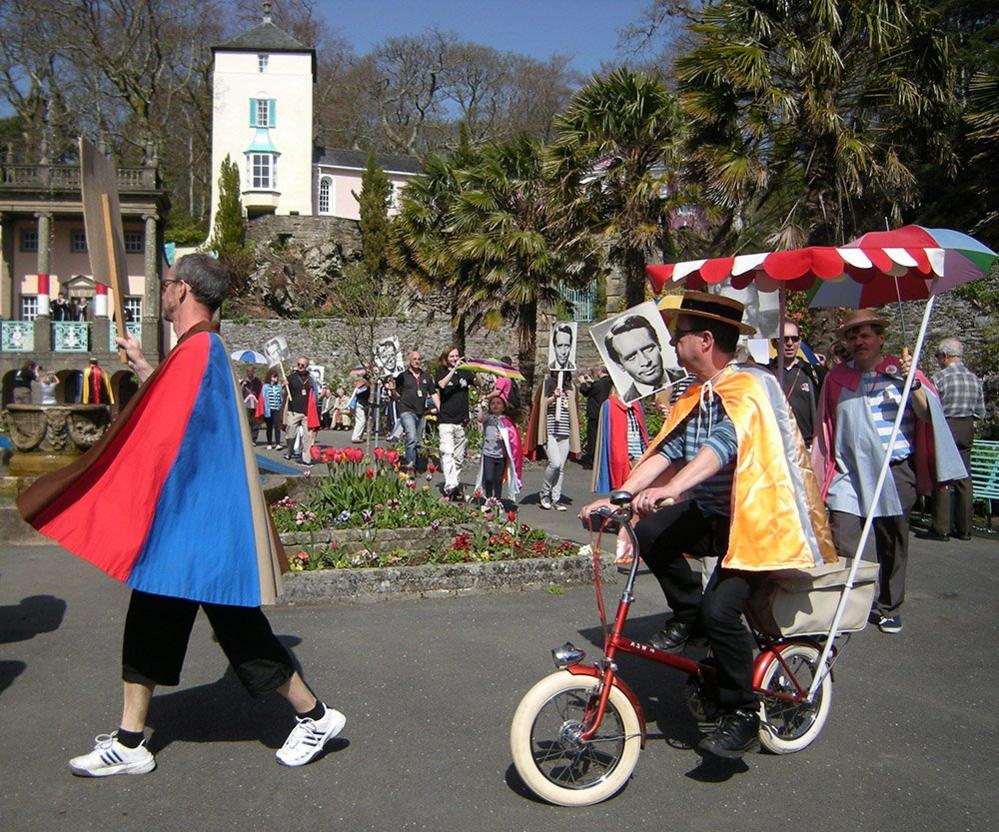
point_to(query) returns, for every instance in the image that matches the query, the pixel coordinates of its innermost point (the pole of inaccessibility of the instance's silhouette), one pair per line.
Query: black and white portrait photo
(388, 357)
(635, 348)
(562, 347)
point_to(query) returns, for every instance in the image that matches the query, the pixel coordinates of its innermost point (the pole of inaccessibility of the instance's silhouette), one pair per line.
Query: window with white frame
(134, 242)
(263, 112)
(132, 307)
(394, 191)
(262, 61)
(78, 242)
(261, 170)
(29, 307)
(325, 195)
(29, 239)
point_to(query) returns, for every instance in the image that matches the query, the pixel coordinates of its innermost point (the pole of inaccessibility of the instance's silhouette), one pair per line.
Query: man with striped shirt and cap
(857, 410)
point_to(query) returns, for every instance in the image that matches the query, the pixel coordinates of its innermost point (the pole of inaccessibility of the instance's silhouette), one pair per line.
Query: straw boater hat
(859, 317)
(712, 307)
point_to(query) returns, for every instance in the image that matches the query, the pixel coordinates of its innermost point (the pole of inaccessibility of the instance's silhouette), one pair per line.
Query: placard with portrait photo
(635, 348)
(388, 357)
(562, 347)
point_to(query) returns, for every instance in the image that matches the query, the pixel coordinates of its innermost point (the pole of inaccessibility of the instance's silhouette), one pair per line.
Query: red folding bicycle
(576, 735)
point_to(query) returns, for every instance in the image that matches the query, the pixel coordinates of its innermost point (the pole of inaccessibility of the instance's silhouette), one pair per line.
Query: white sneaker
(308, 737)
(560, 507)
(545, 503)
(111, 757)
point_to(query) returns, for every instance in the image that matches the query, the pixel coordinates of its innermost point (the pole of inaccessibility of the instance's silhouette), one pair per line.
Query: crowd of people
(729, 470)
(33, 384)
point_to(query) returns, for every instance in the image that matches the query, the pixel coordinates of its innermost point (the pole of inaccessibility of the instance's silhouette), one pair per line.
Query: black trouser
(492, 475)
(663, 539)
(963, 431)
(273, 428)
(592, 423)
(891, 539)
(157, 629)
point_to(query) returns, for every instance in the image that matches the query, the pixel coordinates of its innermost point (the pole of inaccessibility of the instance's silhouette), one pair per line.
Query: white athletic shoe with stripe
(111, 757)
(309, 736)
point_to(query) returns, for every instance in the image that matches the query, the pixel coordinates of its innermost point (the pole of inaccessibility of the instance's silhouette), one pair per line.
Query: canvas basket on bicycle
(799, 602)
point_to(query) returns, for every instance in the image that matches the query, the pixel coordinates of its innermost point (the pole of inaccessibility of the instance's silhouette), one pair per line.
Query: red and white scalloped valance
(878, 268)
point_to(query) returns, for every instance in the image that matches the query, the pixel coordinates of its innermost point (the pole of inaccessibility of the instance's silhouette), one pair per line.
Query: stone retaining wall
(366, 585)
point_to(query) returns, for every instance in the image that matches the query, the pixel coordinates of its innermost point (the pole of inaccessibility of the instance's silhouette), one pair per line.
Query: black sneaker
(930, 534)
(890, 624)
(738, 733)
(961, 536)
(673, 638)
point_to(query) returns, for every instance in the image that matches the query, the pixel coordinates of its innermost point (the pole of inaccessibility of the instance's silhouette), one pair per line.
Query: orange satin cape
(778, 520)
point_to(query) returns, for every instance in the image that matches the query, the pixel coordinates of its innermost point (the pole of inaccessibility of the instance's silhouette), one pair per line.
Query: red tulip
(511, 516)
(431, 468)
(370, 473)
(315, 453)
(379, 453)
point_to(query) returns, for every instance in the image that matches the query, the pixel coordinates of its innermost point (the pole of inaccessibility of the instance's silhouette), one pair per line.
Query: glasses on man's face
(792, 339)
(303, 366)
(165, 283)
(677, 334)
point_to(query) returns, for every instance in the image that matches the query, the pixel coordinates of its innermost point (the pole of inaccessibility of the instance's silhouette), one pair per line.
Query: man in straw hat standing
(857, 409)
(732, 459)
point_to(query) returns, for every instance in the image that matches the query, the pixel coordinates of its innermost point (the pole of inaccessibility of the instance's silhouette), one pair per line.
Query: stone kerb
(441, 580)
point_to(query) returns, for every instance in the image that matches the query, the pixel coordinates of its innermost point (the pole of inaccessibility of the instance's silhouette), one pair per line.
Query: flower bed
(371, 513)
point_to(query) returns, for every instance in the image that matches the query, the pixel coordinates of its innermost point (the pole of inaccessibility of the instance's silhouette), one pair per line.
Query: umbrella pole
(822, 669)
(781, 316)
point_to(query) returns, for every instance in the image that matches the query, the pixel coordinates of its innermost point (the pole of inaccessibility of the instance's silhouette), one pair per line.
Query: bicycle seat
(620, 498)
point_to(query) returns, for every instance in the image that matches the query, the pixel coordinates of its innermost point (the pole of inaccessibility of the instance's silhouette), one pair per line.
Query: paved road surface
(429, 688)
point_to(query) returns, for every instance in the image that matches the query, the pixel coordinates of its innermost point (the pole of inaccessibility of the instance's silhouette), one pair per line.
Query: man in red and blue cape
(168, 501)
(732, 468)
(621, 439)
(858, 406)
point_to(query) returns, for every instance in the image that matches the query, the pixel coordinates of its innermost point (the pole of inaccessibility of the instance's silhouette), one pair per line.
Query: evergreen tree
(229, 232)
(373, 201)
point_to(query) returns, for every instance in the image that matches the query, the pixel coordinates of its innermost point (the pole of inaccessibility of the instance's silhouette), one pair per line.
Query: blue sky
(585, 29)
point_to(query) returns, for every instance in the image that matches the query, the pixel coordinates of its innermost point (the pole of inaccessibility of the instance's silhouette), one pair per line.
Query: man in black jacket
(596, 388)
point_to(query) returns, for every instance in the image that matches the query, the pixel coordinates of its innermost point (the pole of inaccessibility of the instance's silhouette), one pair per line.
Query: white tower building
(262, 119)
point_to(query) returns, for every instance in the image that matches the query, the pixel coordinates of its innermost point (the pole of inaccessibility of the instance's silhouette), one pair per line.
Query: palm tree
(505, 240)
(823, 108)
(615, 164)
(420, 247)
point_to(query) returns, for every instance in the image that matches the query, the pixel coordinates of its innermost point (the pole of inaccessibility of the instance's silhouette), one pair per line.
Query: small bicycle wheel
(786, 727)
(550, 756)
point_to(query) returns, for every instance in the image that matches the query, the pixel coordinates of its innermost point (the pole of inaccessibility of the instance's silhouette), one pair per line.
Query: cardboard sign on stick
(102, 221)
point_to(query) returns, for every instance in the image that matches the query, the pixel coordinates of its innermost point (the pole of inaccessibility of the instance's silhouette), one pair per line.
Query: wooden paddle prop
(102, 221)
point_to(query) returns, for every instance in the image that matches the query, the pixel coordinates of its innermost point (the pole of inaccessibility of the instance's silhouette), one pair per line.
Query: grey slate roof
(359, 159)
(265, 37)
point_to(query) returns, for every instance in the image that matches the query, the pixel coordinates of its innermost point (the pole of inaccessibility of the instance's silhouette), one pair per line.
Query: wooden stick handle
(116, 281)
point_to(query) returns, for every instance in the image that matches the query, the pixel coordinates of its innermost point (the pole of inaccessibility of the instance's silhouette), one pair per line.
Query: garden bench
(985, 474)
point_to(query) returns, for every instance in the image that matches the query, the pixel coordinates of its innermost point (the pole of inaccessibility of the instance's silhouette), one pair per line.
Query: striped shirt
(883, 395)
(559, 428)
(707, 426)
(635, 449)
(273, 393)
(960, 392)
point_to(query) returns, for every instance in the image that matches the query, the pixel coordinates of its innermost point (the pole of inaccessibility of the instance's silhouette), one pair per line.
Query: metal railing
(580, 302)
(17, 336)
(70, 336)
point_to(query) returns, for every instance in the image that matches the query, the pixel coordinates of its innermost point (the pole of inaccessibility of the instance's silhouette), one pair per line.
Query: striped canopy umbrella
(248, 357)
(881, 267)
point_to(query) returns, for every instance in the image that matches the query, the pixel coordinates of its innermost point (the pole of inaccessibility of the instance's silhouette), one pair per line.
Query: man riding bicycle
(731, 458)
